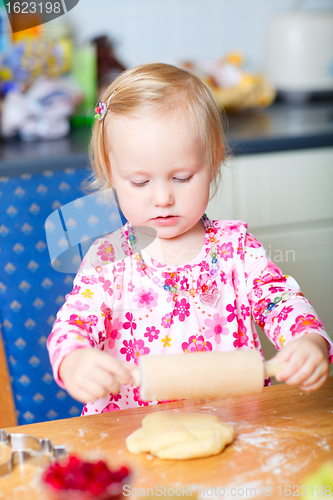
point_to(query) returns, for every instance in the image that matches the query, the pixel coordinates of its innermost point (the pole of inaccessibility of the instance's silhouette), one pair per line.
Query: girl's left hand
(307, 362)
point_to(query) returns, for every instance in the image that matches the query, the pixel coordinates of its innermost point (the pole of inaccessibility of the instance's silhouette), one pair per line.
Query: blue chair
(31, 290)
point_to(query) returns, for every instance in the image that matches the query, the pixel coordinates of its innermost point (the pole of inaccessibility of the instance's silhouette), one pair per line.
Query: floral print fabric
(117, 307)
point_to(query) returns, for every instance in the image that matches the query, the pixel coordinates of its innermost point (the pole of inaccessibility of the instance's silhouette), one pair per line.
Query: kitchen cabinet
(286, 199)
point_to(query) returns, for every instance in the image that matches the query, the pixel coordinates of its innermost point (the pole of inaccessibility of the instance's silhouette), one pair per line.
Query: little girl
(200, 285)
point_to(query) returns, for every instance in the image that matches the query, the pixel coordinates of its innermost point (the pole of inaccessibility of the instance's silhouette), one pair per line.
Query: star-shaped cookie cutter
(30, 449)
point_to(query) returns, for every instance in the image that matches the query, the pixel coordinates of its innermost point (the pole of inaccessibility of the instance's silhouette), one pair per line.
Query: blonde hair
(162, 88)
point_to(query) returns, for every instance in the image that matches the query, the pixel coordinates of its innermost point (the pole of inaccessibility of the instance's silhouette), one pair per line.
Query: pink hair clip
(100, 111)
(102, 108)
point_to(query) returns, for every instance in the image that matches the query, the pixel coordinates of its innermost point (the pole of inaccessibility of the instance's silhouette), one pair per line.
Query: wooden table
(282, 435)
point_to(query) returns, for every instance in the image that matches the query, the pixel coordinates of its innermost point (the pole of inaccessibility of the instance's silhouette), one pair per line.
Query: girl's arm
(79, 333)
(291, 324)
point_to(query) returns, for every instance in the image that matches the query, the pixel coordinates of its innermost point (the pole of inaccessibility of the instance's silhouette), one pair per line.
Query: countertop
(283, 434)
(280, 127)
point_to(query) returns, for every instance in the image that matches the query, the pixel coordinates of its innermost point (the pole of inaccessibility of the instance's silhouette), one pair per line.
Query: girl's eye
(143, 183)
(184, 180)
(139, 184)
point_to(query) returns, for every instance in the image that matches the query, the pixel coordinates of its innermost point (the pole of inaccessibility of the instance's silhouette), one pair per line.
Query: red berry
(75, 474)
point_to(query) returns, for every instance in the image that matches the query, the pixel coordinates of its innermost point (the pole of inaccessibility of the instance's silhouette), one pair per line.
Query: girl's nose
(163, 195)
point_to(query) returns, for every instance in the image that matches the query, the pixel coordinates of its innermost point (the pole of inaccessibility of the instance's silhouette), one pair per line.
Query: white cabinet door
(287, 200)
(276, 188)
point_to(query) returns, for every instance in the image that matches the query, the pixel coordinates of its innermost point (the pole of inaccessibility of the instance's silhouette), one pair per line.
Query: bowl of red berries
(79, 479)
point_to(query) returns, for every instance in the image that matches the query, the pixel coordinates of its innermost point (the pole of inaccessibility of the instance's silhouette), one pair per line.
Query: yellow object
(235, 89)
(36, 56)
(234, 58)
(251, 93)
(319, 485)
(29, 33)
(67, 50)
(6, 74)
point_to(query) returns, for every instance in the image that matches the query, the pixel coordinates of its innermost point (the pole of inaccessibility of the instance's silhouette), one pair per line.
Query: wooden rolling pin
(202, 375)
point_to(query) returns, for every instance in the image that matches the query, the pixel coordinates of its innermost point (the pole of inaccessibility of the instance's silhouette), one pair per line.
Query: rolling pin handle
(271, 368)
(136, 377)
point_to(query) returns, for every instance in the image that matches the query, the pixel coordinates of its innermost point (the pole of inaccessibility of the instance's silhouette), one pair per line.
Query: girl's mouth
(167, 220)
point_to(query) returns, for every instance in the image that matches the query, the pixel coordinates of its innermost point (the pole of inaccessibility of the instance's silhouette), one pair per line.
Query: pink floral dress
(116, 307)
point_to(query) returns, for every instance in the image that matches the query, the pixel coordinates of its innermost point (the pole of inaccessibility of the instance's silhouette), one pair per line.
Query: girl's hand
(307, 362)
(89, 374)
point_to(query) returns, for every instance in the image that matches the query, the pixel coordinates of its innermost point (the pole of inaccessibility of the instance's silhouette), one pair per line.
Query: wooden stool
(7, 405)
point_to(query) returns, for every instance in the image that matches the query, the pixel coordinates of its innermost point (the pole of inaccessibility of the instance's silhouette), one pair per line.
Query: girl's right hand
(89, 374)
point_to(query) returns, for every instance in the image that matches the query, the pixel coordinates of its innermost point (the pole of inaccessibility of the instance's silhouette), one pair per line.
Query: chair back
(31, 290)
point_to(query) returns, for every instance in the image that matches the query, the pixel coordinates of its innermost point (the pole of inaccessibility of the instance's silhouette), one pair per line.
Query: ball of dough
(180, 435)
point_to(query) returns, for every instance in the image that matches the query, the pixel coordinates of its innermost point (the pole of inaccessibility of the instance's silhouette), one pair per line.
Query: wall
(173, 30)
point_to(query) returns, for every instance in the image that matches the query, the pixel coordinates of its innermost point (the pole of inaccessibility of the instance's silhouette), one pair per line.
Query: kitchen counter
(283, 434)
(280, 127)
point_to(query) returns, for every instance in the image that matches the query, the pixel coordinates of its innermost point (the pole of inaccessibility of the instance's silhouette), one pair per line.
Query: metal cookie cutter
(28, 448)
